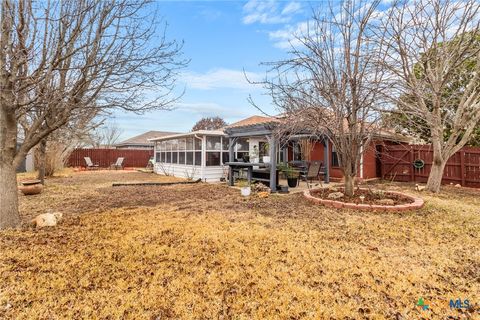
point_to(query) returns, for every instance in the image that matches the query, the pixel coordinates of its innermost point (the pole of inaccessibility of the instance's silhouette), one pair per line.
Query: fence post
(462, 167)
(412, 159)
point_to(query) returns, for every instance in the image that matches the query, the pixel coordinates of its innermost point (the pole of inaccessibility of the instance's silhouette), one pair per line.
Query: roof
(251, 121)
(188, 134)
(144, 138)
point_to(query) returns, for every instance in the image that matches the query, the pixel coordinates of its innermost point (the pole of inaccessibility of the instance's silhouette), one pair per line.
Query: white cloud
(269, 12)
(221, 78)
(292, 7)
(289, 35)
(211, 109)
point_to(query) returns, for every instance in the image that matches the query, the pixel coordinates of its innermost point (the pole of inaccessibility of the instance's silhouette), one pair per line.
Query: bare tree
(52, 151)
(434, 65)
(59, 58)
(330, 84)
(209, 123)
(106, 136)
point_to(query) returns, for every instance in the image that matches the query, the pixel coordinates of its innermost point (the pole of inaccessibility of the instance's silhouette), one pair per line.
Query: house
(142, 141)
(203, 154)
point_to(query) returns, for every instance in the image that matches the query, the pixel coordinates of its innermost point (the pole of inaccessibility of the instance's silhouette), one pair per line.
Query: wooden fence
(397, 164)
(105, 157)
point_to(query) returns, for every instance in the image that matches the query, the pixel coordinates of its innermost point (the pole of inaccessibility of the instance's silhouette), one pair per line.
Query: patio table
(248, 165)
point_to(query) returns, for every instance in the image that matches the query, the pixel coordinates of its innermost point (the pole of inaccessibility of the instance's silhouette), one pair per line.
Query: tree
(209, 123)
(106, 136)
(432, 56)
(59, 59)
(330, 83)
(418, 127)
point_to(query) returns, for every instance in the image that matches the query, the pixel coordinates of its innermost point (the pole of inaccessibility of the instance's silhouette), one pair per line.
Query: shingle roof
(142, 139)
(253, 120)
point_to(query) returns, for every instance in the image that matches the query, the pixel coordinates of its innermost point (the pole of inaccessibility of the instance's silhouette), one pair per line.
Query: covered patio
(262, 138)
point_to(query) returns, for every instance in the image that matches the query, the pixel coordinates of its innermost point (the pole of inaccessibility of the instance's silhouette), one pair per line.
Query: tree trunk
(435, 177)
(349, 185)
(42, 160)
(9, 216)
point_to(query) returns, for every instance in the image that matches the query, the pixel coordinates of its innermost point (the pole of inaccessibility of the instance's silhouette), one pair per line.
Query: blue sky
(222, 38)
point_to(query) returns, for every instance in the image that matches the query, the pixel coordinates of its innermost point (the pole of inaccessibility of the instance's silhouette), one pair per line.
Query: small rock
(419, 187)
(47, 219)
(458, 185)
(335, 195)
(386, 202)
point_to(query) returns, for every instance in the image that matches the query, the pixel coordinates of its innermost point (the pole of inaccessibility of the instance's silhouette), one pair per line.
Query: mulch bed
(371, 196)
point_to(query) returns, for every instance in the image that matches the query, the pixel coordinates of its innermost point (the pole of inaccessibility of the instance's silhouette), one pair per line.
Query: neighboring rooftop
(253, 120)
(143, 139)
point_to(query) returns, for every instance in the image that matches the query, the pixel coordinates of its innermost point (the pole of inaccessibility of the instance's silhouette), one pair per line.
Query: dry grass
(201, 252)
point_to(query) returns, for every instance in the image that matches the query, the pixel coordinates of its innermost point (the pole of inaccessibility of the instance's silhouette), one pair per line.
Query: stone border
(416, 204)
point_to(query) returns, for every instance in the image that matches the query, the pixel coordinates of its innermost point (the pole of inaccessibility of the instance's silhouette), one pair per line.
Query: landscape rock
(386, 202)
(419, 187)
(47, 219)
(458, 185)
(335, 195)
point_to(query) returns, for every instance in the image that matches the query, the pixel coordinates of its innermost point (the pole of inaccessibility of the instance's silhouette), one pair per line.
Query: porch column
(326, 159)
(272, 143)
(231, 158)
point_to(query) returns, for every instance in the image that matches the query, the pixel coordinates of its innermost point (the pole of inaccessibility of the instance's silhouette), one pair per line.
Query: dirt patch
(369, 196)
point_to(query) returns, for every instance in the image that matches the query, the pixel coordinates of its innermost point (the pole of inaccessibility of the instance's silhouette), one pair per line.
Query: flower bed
(371, 200)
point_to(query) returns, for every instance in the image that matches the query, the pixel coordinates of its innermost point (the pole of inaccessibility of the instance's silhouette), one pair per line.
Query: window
(174, 157)
(214, 143)
(297, 152)
(198, 158)
(263, 148)
(335, 162)
(189, 158)
(162, 156)
(242, 148)
(213, 158)
(181, 157)
(157, 157)
(169, 157)
(225, 155)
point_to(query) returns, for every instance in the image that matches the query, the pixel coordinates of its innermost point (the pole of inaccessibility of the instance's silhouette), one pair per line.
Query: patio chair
(313, 172)
(90, 165)
(118, 164)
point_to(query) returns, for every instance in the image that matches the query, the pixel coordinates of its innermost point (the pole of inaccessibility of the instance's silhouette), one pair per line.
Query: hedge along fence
(106, 157)
(397, 163)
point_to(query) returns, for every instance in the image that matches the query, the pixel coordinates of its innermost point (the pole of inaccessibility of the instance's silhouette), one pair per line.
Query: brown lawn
(202, 252)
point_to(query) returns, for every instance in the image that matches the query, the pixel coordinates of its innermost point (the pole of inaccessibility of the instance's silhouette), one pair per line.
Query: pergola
(267, 130)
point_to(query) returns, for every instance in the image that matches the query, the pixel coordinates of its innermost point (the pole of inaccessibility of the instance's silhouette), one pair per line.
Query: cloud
(289, 35)
(269, 12)
(210, 109)
(221, 78)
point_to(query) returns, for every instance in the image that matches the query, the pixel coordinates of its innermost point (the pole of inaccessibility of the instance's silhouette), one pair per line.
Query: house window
(263, 149)
(297, 152)
(157, 157)
(198, 158)
(189, 158)
(181, 157)
(242, 148)
(175, 157)
(213, 151)
(335, 162)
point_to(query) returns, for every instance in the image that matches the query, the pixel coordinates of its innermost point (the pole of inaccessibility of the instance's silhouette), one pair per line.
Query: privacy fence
(106, 157)
(409, 163)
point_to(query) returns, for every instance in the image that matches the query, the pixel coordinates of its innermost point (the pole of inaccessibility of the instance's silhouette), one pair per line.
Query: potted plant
(292, 176)
(31, 187)
(245, 189)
